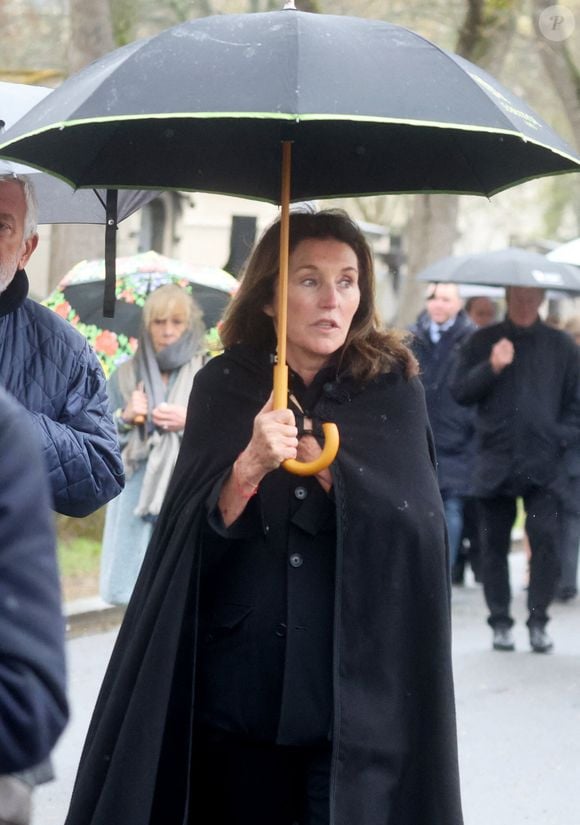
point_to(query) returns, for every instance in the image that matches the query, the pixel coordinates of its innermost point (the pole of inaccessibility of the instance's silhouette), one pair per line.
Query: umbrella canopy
(212, 104)
(57, 201)
(504, 267)
(479, 291)
(568, 253)
(79, 297)
(371, 107)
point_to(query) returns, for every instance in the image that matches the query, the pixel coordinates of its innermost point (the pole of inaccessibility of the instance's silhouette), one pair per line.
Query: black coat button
(281, 630)
(301, 493)
(296, 560)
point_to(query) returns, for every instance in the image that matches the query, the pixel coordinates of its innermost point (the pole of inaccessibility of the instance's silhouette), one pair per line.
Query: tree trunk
(91, 36)
(486, 32)
(432, 231)
(564, 73)
(562, 69)
(431, 234)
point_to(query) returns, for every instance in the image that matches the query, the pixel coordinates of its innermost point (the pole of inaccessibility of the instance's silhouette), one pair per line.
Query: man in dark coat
(438, 333)
(567, 587)
(523, 376)
(49, 367)
(33, 707)
(482, 310)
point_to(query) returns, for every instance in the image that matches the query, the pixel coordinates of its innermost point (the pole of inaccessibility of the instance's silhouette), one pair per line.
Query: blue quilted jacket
(50, 368)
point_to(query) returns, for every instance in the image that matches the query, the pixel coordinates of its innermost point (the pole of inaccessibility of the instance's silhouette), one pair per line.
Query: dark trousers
(469, 550)
(497, 516)
(570, 540)
(248, 783)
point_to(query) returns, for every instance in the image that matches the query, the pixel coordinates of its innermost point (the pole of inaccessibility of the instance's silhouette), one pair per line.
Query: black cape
(394, 737)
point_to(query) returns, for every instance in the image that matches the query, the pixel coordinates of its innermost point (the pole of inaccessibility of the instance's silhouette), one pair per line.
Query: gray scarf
(150, 364)
(146, 443)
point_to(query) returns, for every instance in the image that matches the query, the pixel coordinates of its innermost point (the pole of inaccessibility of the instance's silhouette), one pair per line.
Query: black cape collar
(14, 294)
(338, 386)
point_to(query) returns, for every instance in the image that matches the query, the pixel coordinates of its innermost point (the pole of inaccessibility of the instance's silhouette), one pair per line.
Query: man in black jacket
(523, 376)
(439, 332)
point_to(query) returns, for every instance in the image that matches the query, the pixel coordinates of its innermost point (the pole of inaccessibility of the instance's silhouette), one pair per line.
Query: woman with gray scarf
(149, 395)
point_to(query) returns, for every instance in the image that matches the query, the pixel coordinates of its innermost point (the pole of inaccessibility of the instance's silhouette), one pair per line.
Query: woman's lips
(326, 324)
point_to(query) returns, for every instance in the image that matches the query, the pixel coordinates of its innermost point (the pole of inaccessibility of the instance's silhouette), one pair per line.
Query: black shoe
(540, 641)
(566, 594)
(503, 638)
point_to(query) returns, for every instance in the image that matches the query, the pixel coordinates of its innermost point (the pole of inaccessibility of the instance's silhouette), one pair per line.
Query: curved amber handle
(331, 437)
(324, 460)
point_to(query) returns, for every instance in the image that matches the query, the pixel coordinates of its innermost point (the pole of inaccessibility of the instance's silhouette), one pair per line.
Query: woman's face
(323, 297)
(167, 329)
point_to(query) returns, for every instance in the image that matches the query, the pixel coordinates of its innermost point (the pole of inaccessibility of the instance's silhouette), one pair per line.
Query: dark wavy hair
(367, 350)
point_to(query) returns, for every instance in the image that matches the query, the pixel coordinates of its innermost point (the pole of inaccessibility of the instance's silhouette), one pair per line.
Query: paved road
(518, 717)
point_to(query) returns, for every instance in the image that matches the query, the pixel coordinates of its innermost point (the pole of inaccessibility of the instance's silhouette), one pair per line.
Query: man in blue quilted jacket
(51, 370)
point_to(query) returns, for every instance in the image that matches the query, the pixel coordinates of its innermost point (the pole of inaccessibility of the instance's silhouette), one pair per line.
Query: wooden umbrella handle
(330, 430)
(324, 460)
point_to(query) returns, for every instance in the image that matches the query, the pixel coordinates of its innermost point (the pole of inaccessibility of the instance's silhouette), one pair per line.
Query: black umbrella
(371, 107)
(210, 104)
(504, 267)
(57, 201)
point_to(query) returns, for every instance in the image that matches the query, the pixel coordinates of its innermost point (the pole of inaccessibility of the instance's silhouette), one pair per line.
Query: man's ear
(29, 246)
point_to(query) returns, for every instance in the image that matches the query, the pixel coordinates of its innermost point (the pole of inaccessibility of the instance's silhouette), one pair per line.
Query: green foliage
(79, 543)
(558, 199)
(90, 527)
(124, 17)
(308, 5)
(79, 556)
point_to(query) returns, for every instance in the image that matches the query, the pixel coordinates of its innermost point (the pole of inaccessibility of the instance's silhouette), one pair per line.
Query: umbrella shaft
(281, 375)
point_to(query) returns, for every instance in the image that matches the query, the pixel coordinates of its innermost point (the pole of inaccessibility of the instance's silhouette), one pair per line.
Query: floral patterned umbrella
(79, 297)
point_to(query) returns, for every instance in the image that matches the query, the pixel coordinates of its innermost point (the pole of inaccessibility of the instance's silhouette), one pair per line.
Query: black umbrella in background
(504, 267)
(353, 106)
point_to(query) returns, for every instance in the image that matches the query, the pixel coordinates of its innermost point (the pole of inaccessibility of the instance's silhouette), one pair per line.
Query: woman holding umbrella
(285, 657)
(149, 394)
